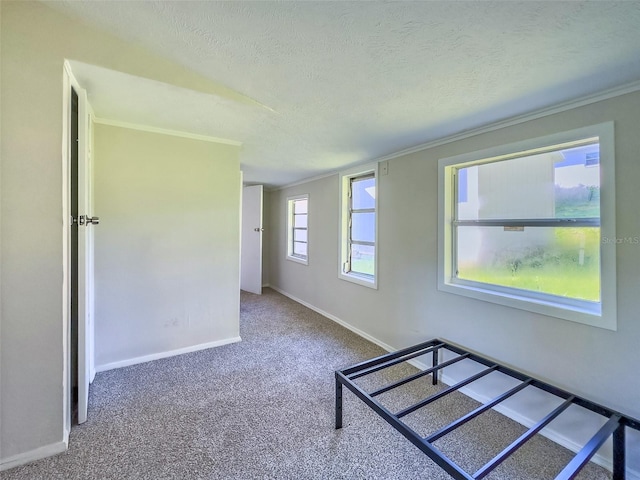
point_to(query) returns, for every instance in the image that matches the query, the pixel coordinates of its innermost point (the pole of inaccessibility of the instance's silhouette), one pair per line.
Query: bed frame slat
(502, 456)
(411, 378)
(580, 460)
(390, 363)
(445, 392)
(473, 414)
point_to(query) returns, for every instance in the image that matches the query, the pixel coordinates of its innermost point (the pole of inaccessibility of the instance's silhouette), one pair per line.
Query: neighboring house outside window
(527, 225)
(298, 229)
(358, 256)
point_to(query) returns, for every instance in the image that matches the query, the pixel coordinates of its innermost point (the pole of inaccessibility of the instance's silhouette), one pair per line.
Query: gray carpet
(263, 409)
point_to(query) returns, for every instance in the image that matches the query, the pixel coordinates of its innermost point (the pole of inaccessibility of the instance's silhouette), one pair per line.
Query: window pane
(299, 235)
(300, 206)
(552, 260)
(300, 249)
(363, 227)
(577, 183)
(560, 184)
(300, 221)
(363, 193)
(362, 259)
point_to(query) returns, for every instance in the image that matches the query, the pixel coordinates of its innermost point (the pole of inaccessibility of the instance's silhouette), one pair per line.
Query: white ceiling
(336, 83)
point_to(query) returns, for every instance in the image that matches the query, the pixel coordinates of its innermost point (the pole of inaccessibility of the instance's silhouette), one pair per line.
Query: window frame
(303, 259)
(346, 178)
(602, 314)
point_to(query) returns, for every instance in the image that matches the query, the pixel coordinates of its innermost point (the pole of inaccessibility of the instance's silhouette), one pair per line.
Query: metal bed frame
(615, 425)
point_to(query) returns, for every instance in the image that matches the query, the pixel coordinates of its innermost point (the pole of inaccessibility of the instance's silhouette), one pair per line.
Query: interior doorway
(251, 245)
(78, 251)
(73, 256)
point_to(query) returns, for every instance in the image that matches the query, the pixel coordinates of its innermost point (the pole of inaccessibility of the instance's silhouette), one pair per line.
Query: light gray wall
(166, 250)
(35, 42)
(407, 307)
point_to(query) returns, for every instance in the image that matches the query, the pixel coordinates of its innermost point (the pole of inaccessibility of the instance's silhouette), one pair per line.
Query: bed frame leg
(434, 363)
(619, 467)
(338, 403)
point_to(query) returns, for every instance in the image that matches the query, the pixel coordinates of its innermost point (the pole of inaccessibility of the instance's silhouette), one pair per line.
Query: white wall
(35, 41)
(266, 238)
(408, 308)
(166, 249)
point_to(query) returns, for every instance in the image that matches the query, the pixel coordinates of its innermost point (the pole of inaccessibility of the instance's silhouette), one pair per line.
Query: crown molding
(164, 131)
(526, 117)
(306, 180)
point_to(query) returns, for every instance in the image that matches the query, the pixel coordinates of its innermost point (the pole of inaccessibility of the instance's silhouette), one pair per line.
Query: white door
(85, 250)
(80, 266)
(251, 249)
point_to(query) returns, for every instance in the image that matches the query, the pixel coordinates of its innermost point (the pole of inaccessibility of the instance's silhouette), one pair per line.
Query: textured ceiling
(337, 83)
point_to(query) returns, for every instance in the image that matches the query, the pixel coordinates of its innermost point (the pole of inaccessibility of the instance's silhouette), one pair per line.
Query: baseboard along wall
(33, 455)
(59, 447)
(170, 353)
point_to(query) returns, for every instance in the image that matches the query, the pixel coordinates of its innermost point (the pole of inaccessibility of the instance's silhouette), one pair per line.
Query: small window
(523, 225)
(358, 262)
(298, 229)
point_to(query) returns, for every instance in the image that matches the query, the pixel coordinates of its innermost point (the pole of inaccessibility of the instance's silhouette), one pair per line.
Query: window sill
(363, 280)
(588, 315)
(303, 261)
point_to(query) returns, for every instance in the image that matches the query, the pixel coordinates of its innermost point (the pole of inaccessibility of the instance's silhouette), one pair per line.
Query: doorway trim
(252, 223)
(69, 82)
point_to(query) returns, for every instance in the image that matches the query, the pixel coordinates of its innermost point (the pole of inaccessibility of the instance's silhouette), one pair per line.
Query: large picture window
(524, 224)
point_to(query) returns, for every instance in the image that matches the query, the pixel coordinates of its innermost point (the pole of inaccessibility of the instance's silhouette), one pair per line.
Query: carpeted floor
(263, 409)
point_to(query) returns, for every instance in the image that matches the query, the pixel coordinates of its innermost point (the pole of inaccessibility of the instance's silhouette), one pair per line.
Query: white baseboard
(554, 436)
(266, 285)
(33, 455)
(171, 353)
(355, 330)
